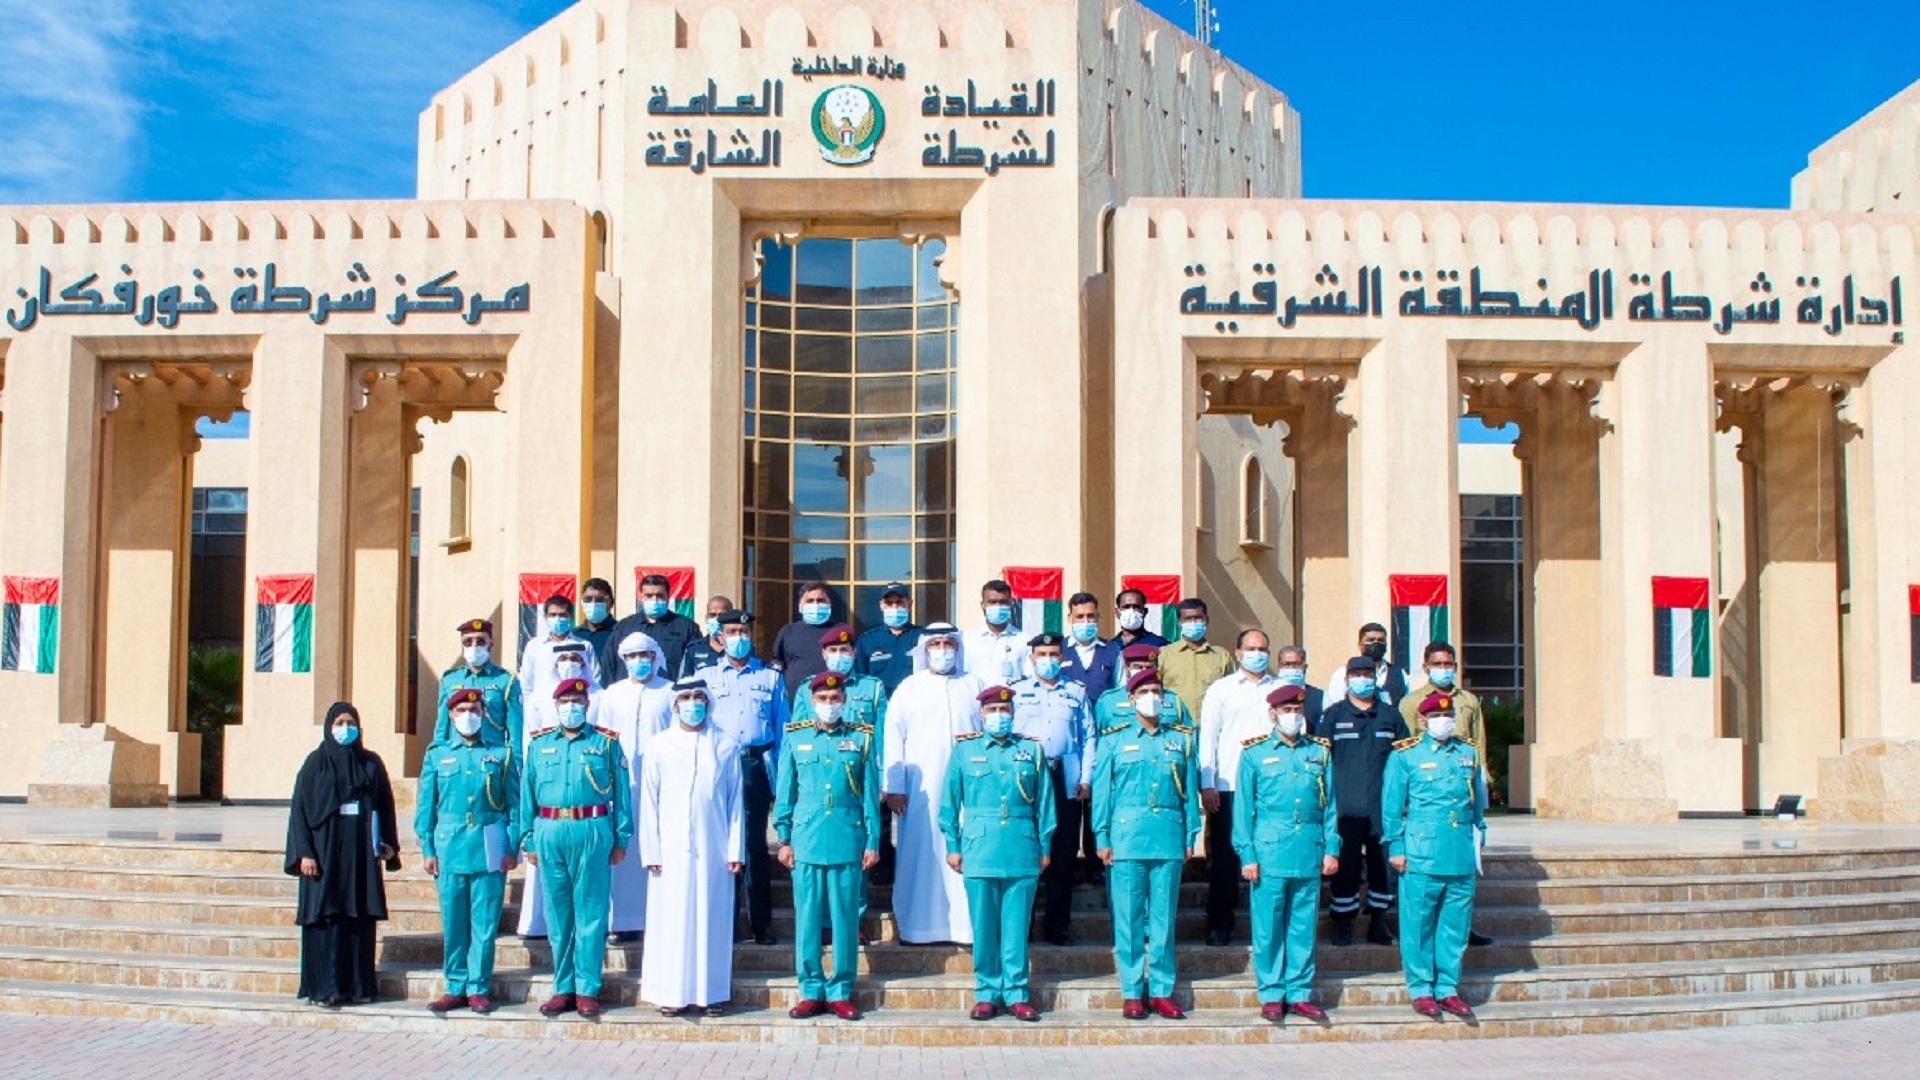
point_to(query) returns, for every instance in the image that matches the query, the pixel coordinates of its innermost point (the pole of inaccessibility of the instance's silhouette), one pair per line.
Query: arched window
(1253, 503)
(459, 502)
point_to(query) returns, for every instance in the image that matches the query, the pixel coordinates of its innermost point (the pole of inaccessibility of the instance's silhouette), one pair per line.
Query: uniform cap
(1143, 651)
(1049, 638)
(826, 680)
(1362, 663)
(466, 695)
(1288, 695)
(475, 626)
(995, 695)
(734, 617)
(1436, 703)
(895, 588)
(569, 686)
(1143, 678)
(837, 635)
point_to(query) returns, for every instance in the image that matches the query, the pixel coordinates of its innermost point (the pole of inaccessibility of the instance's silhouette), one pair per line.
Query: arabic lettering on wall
(1441, 294)
(1025, 102)
(260, 292)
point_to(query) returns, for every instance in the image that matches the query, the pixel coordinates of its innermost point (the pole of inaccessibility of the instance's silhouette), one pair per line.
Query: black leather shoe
(1219, 937)
(1377, 931)
(1342, 932)
(762, 937)
(1478, 939)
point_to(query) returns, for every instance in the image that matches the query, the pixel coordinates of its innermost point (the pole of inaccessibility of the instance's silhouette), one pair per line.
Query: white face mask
(467, 722)
(477, 655)
(1132, 620)
(940, 660)
(1291, 724)
(1147, 705)
(1440, 727)
(829, 712)
(570, 669)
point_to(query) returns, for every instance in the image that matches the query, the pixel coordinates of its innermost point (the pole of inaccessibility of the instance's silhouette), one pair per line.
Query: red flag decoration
(679, 586)
(283, 623)
(1037, 593)
(1419, 615)
(31, 635)
(1163, 594)
(1681, 647)
(1913, 627)
(534, 590)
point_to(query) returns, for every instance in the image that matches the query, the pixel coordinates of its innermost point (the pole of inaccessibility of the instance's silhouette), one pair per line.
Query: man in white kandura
(932, 706)
(637, 707)
(693, 842)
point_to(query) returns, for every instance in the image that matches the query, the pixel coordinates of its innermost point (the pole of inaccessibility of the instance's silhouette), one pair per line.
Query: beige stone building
(759, 292)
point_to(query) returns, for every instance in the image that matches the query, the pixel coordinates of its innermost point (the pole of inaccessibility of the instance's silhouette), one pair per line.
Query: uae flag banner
(1913, 627)
(534, 590)
(1419, 615)
(1680, 642)
(679, 586)
(283, 624)
(1036, 598)
(1163, 593)
(32, 625)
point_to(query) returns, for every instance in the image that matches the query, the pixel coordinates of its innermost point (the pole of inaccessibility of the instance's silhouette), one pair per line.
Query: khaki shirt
(1468, 723)
(1188, 671)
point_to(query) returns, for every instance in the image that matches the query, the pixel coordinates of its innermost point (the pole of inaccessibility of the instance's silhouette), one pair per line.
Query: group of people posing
(638, 765)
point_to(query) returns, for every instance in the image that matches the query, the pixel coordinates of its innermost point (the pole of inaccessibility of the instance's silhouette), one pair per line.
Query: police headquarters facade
(755, 293)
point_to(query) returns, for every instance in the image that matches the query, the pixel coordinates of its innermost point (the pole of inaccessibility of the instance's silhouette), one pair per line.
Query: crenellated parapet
(1871, 165)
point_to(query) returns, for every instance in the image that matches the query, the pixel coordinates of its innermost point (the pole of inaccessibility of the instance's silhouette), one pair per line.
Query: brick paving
(56, 1048)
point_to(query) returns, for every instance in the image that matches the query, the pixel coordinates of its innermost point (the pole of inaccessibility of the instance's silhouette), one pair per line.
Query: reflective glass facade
(849, 355)
(1492, 569)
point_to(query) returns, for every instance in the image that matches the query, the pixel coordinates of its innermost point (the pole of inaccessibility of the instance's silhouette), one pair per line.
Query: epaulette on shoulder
(1115, 729)
(1175, 725)
(800, 725)
(1469, 742)
(1328, 743)
(1407, 743)
(542, 731)
(608, 732)
(1255, 741)
(970, 735)
(865, 728)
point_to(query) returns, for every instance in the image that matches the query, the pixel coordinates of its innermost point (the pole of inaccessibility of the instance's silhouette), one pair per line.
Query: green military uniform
(468, 790)
(1146, 809)
(1431, 815)
(997, 813)
(576, 807)
(499, 697)
(1284, 821)
(827, 807)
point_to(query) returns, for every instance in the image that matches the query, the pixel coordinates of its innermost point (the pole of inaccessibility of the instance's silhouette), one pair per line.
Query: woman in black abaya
(340, 830)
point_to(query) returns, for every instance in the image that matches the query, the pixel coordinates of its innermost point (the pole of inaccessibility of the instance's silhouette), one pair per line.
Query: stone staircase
(1602, 943)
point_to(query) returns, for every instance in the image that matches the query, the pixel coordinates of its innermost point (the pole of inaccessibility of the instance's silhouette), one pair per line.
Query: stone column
(379, 453)
(1317, 437)
(296, 524)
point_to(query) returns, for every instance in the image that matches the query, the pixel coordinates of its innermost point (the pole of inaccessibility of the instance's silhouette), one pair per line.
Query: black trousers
(1058, 878)
(757, 793)
(336, 959)
(1223, 868)
(1360, 848)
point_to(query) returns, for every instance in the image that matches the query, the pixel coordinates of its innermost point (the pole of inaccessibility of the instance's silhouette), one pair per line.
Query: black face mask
(1374, 651)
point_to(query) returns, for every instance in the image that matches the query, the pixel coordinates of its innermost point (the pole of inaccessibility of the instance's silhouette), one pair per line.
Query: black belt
(758, 750)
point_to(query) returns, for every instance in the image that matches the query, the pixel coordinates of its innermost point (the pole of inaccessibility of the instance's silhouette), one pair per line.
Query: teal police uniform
(467, 790)
(577, 807)
(997, 814)
(499, 697)
(866, 705)
(827, 807)
(1431, 815)
(1146, 810)
(1114, 709)
(1285, 822)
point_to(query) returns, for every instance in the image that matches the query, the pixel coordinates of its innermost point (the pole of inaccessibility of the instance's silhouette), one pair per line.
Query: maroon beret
(569, 686)
(826, 680)
(995, 695)
(1288, 695)
(1141, 679)
(1436, 703)
(475, 626)
(836, 635)
(1149, 653)
(466, 695)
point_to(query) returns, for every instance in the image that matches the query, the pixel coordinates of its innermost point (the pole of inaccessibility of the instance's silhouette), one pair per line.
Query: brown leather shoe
(1273, 1012)
(1133, 1010)
(1456, 1005)
(1166, 1008)
(844, 1009)
(1307, 1010)
(446, 1003)
(1023, 1011)
(587, 1007)
(557, 1004)
(480, 1003)
(983, 1010)
(1427, 1007)
(807, 1009)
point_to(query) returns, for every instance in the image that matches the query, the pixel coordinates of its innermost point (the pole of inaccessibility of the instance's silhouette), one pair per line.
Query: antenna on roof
(1206, 20)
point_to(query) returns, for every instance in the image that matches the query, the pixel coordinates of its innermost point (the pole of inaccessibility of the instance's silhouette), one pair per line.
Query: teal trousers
(827, 896)
(1143, 893)
(469, 920)
(1435, 910)
(1284, 910)
(1001, 910)
(575, 877)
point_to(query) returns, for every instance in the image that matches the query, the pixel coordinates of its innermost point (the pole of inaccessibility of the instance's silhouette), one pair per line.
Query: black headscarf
(334, 774)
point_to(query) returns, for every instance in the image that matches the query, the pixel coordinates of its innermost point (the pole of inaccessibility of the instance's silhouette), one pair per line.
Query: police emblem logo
(847, 123)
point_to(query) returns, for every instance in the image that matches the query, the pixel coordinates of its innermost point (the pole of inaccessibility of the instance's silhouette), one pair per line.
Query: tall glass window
(1492, 569)
(849, 390)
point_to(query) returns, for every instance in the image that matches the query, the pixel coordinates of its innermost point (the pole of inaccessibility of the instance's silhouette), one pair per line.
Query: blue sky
(1705, 102)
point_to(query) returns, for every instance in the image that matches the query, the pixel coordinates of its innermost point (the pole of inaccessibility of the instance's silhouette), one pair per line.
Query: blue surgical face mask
(713, 626)
(840, 663)
(691, 713)
(894, 617)
(1193, 629)
(998, 614)
(997, 725)
(1254, 662)
(345, 736)
(1085, 632)
(1441, 677)
(596, 611)
(653, 608)
(573, 715)
(740, 647)
(1047, 667)
(1362, 687)
(1292, 676)
(640, 667)
(559, 625)
(815, 614)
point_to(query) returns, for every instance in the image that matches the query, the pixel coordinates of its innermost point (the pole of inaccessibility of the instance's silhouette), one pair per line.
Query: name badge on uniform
(350, 809)
(449, 761)
(1270, 761)
(548, 750)
(1130, 749)
(1428, 765)
(804, 747)
(977, 761)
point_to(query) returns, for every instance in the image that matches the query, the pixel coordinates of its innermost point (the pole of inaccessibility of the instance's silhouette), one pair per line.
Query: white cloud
(69, 130)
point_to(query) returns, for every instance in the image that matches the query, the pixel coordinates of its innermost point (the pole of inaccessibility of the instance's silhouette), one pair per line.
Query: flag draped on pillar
(1419, 615)
(1163, 594)
(1036, 597)
(32, 629)
(1681, 643)
(679, 586)
(283, 624)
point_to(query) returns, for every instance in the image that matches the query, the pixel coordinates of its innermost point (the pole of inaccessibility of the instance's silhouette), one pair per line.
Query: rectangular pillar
(378, 509)
(1323, 587)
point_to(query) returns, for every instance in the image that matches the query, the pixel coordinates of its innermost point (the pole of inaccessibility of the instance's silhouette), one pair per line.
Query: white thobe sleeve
(893, 755)
(727, 789)
(648, 827)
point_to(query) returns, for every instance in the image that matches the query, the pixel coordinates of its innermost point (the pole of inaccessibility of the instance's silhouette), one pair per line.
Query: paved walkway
(60, 1047)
